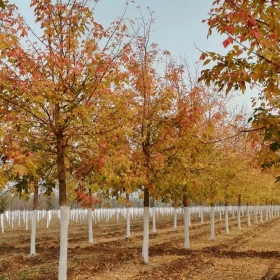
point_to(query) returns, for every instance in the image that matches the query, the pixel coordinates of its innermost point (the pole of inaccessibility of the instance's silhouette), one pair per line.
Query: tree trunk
(248, 216)
(266, 209)
(34, 221)
(256, 214)
(270, 211)
(90, 234)
(226, 217)
(201, 214)
(127, 222)
(175, 211)
(175, 217)
(145, 245)
(238, 213)
(2, 221)
(127, 217)
(212, 222)
(186, 222)
(64, 218)
(154, 216)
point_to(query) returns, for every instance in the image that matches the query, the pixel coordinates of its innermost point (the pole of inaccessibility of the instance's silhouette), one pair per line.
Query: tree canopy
(252, 61)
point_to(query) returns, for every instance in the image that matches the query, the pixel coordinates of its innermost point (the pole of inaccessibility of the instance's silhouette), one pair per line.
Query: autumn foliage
(113, 113)
(85, 197)
(251, 62)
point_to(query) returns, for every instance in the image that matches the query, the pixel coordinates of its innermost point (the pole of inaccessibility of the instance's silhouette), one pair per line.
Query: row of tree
(105, 111)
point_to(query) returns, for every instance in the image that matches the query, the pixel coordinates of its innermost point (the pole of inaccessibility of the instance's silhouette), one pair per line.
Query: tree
(88, 200)
(252, 31)
(64, 86)
(38, 175)
(150, 133)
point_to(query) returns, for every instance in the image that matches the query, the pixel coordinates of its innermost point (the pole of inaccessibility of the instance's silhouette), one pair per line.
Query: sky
(178, 26)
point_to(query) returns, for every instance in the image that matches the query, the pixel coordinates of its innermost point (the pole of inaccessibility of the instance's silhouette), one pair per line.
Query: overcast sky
(178, 27)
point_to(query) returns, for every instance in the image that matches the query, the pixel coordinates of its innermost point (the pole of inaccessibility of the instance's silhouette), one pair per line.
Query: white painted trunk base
(33, 233)
(145, 244)
(26, 220)
(226, 220)
(128, 222)
(238, 218)
(64, 221)
(248, 216)
(190, 221)
(2, 223)
(187, 227)
(154, 220)
(175, 217)
(256, 214)
(48, 218)
(90, 234)
(266, 212)
(201, 215)
(212, 223)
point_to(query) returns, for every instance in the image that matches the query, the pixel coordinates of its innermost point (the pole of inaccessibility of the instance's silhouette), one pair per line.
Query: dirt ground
(252, 253)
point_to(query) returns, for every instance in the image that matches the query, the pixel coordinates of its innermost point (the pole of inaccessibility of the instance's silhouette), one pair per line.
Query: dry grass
(252, 253)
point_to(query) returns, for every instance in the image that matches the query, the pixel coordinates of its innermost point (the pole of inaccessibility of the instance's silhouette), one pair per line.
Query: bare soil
(252, 253)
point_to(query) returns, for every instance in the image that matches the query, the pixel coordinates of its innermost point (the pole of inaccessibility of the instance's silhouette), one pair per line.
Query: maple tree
(120, 117)
(251, 27)
(150, 136)
(200, 141)
(26, 173)
(64, 87)
(252, 31)
(120, 172)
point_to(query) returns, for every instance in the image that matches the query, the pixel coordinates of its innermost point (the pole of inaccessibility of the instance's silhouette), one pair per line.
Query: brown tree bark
(61, 169)
(186, 202)
(146, 198)
(35, 200)
(239, 200)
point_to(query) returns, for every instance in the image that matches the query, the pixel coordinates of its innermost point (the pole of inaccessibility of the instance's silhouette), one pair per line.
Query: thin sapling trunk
(186, 222)
(145, 244)
(34, 221)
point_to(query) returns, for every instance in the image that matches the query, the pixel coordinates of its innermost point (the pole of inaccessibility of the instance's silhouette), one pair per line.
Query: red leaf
(228, 41)
(251, 22)
(230, 28)
(257, 34)
(273, 36)
(225, 43)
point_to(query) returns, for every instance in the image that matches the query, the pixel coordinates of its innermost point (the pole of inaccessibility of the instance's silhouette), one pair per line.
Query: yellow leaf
(20, 169)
